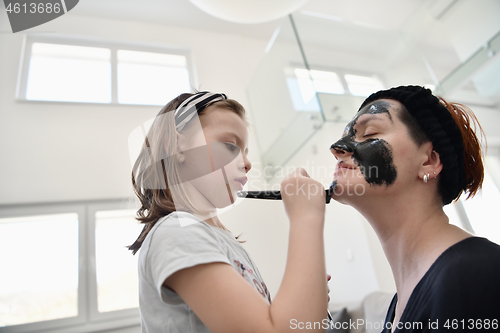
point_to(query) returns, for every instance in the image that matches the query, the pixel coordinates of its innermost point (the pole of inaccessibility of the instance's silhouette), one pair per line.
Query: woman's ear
(432, 164)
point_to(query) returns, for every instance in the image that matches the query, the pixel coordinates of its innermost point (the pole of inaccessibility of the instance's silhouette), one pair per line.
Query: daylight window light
(47, 245)
(320, 81)
(116, 269)
(59, 72)
(69, 73)
(363, 85)
(151, 78)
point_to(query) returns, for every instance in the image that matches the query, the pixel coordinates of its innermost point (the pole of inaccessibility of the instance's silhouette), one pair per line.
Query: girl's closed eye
(231, 146)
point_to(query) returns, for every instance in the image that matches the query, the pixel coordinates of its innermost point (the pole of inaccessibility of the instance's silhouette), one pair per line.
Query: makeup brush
(276, 195)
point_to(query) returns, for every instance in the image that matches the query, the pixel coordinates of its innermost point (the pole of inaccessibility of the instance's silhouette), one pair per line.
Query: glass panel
(39, 260)
(420, 45)
(68, 73)
(285, 106)
(382, 46)
(482, 210)
(151, 78)
(302, 91)
(116, 267)
(475, 81)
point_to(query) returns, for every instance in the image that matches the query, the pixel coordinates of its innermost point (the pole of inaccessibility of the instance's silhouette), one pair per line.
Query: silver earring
(435, 175)
(426, 178)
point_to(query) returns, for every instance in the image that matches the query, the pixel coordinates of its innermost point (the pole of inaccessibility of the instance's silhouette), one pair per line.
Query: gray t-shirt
(177, 241)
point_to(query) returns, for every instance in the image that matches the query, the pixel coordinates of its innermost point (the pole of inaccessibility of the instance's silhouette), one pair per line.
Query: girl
(194, 275)
(414, 153)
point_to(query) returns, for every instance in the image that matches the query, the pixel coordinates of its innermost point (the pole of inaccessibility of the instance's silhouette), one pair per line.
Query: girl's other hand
(303, 197)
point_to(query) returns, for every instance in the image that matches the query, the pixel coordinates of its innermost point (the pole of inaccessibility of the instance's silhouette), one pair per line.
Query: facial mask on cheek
(373, 157)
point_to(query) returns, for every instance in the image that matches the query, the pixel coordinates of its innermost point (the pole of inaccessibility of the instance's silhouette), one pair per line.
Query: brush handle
(330, 319)
(276, 195)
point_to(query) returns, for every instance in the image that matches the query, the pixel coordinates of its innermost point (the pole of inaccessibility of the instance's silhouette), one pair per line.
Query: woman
(414, 153)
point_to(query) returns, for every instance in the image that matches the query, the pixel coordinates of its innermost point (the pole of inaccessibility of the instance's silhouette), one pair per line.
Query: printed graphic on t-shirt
(248, 274)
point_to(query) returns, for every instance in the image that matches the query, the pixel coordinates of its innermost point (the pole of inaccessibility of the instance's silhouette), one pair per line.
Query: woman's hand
(303, 197)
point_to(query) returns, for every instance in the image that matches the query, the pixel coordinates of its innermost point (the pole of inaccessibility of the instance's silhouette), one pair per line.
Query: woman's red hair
(473, 157)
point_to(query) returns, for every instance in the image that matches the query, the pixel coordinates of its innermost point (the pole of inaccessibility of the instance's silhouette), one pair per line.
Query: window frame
(88, 318)
(29, 40)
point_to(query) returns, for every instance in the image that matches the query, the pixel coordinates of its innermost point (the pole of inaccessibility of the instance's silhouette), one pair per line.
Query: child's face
(220, 157)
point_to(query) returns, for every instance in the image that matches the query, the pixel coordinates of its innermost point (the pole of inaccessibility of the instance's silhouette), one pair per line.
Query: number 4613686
(34, 8)
(471, 324)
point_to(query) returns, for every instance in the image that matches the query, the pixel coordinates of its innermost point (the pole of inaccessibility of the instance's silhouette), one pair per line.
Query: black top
(460, 292)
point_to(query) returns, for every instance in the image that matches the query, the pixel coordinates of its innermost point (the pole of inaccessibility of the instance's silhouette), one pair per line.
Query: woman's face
(215, 159)
(375, 153)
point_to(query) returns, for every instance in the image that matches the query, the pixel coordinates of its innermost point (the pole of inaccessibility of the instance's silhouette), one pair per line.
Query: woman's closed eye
(369, 131)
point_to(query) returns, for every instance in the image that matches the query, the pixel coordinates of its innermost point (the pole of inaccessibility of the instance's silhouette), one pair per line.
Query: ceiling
(358, 25)
(177, 13)
(182, 13)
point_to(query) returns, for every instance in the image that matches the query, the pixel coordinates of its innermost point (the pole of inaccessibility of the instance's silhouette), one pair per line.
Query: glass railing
(320, 67)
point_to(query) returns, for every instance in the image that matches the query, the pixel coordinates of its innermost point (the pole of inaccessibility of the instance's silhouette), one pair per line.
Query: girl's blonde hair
(156, 173)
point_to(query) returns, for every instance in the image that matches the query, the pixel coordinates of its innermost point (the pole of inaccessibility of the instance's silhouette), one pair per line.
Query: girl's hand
(303, 197)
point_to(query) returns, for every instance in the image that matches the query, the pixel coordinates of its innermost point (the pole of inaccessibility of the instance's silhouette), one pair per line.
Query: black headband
(440, 127)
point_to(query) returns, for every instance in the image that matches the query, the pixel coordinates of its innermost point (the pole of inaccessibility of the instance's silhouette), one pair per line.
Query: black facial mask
(373, 156)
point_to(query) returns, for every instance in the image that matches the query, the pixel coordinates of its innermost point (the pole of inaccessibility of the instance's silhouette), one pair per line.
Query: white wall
(64, 151)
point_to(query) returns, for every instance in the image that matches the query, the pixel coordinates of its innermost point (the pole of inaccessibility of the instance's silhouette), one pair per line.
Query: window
(40, 254)
(84, 72)
(116, 267)
(304, 84)
(363, 85)
(69, 73)
(482, 210)
(151, 78)
(323, 81)
(66, 268)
